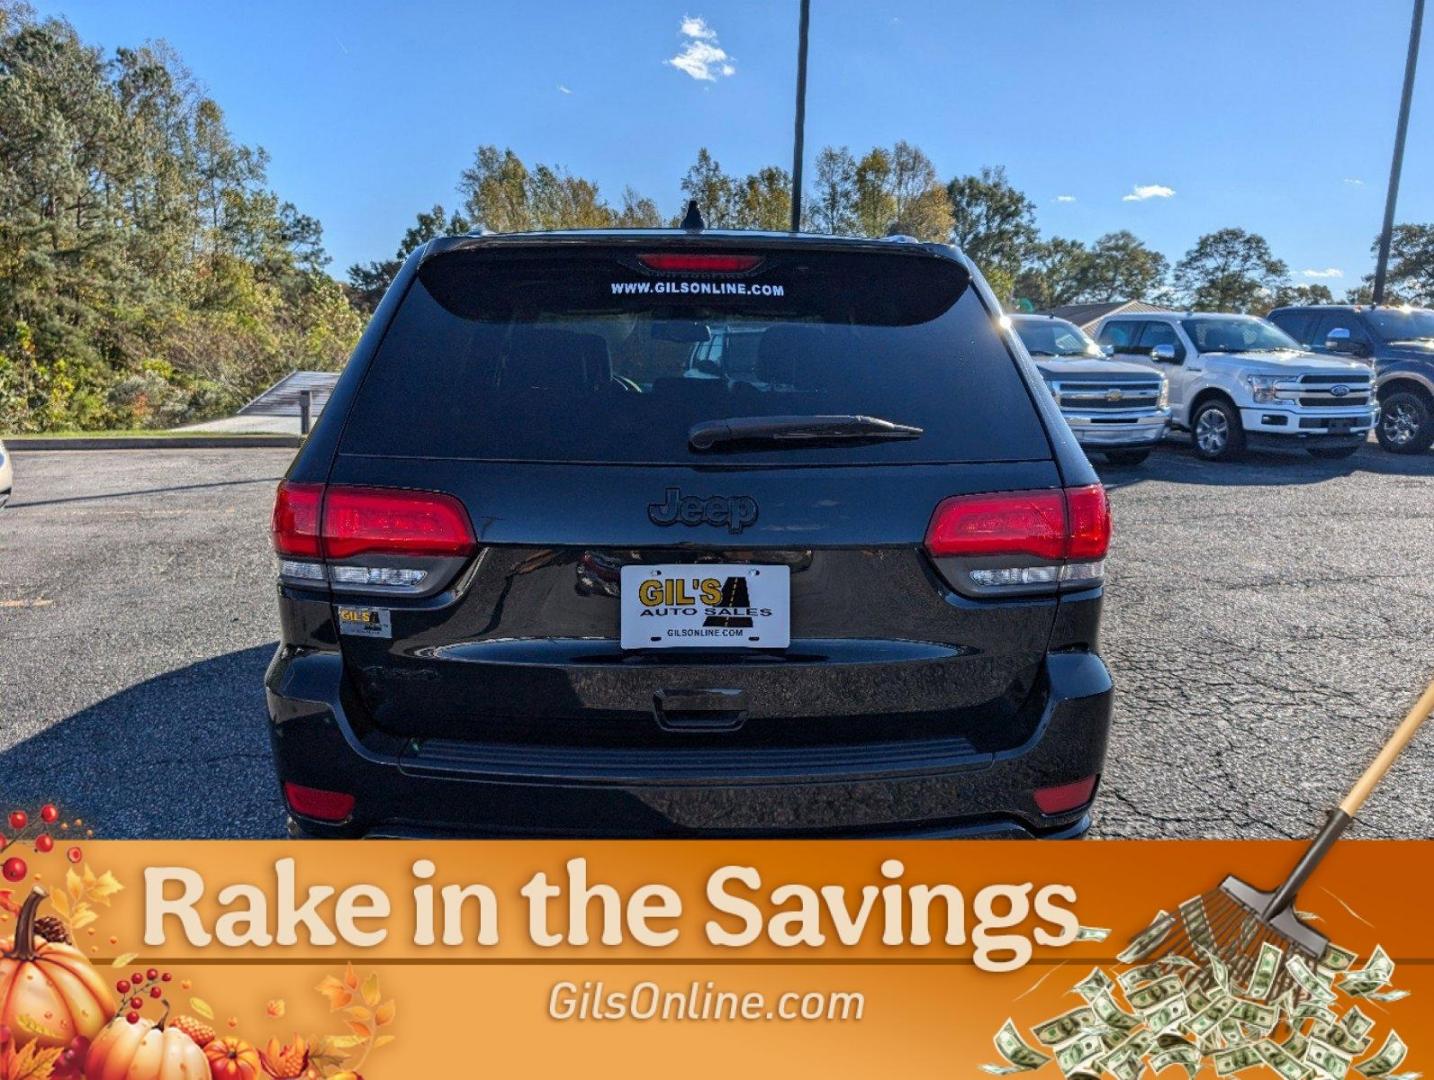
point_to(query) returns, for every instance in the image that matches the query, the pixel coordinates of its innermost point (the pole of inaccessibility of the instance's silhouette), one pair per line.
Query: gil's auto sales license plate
(706, 605)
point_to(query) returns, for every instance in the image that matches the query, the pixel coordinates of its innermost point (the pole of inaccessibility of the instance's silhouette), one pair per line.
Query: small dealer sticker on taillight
(365, 622)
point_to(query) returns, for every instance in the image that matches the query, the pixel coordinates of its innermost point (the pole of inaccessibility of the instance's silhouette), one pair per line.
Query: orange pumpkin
(49, 994)
(144, 1051)
(231, 1058)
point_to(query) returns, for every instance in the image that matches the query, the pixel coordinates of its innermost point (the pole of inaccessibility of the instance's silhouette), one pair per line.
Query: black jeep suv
(550, 565)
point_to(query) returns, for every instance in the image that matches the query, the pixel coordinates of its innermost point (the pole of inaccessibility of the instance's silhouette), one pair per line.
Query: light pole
(1381, 267)
(802, 114)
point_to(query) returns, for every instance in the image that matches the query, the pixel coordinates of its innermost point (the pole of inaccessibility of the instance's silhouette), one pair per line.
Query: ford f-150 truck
(1237, 380)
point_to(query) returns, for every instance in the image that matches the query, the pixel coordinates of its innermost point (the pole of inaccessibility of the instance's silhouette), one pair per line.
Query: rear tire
(1126, 457)
(1406, 425)
(1217, 431)
(1333, 453)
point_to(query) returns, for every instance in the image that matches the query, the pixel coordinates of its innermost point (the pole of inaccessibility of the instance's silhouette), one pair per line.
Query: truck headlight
(1262, 387)
(1163, 401)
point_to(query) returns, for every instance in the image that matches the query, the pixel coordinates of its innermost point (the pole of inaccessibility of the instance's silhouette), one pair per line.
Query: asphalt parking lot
(1267, 623)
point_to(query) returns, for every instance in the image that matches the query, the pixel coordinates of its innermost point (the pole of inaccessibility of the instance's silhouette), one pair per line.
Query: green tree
(369, 281)
(1229, 270)
(715, 192)
(874, 205)
(637, 212)
(1054, 273)
(993, 222)
(1411, 264)
(764, 200)
(832, 201)
(1120, 267)
(921, 205)
(495, 190)
(1302, 295)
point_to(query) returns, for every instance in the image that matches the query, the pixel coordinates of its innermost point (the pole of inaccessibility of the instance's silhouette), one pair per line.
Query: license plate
(706, 605)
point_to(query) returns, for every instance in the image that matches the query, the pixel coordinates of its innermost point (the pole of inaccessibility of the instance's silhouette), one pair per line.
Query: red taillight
(317, 803)
(1063, 797)
(1089, 511)
(381, 521)
(674, 262)
(295, 524)
(1054, 525)
(1015, 523)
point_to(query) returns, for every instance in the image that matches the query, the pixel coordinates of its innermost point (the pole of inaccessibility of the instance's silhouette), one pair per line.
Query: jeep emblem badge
(735, 512)
(1338, 390)
(1114, 395)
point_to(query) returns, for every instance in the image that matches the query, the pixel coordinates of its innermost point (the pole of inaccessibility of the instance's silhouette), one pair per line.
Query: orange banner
(399, 959)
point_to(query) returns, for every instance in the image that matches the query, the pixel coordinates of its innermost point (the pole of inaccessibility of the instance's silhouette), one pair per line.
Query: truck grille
(1098, 394)
(1319, 391)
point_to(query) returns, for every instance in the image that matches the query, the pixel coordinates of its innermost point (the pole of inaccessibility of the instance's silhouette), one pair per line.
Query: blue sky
(1273, 115)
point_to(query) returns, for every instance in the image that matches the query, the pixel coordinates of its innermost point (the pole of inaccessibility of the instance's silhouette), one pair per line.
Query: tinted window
(1121, 334)
(1326, 321)
(1054, 337)
(1295, 323)
(1235, 333)
(587, 357)
(1159, 333)
(1402, 324)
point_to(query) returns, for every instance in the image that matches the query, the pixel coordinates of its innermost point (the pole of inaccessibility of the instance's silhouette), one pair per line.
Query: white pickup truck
(1237, 380)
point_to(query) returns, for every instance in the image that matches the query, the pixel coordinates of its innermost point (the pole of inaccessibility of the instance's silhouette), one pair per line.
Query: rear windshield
(590, 357)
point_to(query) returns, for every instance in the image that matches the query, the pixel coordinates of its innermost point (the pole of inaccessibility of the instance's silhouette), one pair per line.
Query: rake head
(1231, 924)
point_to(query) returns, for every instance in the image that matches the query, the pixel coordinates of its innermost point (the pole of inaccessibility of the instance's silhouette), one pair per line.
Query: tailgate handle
(679, 709)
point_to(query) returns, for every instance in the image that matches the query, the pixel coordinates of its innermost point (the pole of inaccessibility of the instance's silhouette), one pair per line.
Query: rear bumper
(443, 788)
(1113, 430)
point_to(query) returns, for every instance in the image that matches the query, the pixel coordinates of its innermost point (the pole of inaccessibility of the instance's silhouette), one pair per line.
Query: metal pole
(306, 402)
(802, 115)
(1381, 267)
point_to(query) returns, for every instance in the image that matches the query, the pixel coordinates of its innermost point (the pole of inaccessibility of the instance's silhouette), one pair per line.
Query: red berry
(14, 869)
(152, 974)
(155, 991)
(136, 1003)
(137, 978)
(48, 814)
(165, 977)
(132, 1017)
(44, 843)
(19, 819)
(122, 986)
(74, 854)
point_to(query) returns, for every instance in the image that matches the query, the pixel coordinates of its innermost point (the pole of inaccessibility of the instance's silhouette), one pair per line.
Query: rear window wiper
(796, 429)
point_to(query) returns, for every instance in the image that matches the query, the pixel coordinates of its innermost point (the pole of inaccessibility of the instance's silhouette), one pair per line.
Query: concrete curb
(176, 442)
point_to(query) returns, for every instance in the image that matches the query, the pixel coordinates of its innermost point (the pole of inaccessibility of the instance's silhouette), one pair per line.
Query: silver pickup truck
(1118, 409)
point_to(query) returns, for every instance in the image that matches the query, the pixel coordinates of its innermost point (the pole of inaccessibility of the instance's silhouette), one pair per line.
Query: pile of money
(1193, 1011)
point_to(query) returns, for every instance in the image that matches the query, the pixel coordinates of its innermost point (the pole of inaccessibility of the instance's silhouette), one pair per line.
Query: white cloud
(1354, 181)
(701, 56)
(697, 28)
(563, 89)
(1327, 272)
(1065, 198)
(1141, 192)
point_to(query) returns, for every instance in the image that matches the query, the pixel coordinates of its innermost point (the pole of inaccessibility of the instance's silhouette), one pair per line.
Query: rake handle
(1340, 819)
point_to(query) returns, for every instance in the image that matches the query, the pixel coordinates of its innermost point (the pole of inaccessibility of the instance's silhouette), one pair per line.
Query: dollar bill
(1063, 1028)
(1092, 933)
(1355, 1022)
(1313, 1010)
(1329, 1060)
(1168, 1015)
(1184, 1055)
(1374, 975)
(1281, 1060)
(1387, 995)
(1308, 981)
(1112, 1015)
(1335, 958)
(1295, 1044)
(1217, 969)
(1094, 984)
(1071, 1057)
(1391, 1055)
(1267, 966)
(1149, 939)
(1208, 1019)
(1143, 973)
(1343, 1040)
(1197, 922)
(1257, 1015)
(1151, 996)
(1018, 1054)
(1235, 1059)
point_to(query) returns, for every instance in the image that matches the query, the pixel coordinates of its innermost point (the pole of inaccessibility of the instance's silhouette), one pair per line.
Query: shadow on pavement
(185, 754)
(1175, 462)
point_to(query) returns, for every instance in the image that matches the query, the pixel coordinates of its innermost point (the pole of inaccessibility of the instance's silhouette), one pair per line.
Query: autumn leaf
(359, 1013)
(338, 994)
(102, 888)
(34, 1063)
(123, 960)
(363, 1031)
(74, 885)
(341, 1042)
(384, 1014)
(383, 1040)
(351, 979)
(61, 903)
(202, 1007)
(371, 993)
(276, 1008)
(84, 915)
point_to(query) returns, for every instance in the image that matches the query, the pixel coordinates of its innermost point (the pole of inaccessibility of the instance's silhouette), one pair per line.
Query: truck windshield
(1217, 333)
(1403, 324)
(1055, 337)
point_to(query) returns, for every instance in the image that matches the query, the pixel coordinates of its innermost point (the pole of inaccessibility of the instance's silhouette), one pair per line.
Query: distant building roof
(282, 399)
(1087, 315)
